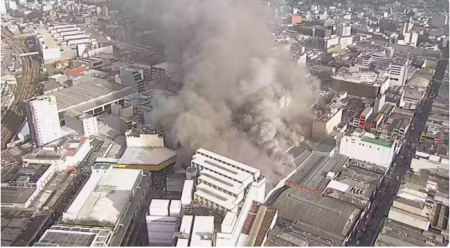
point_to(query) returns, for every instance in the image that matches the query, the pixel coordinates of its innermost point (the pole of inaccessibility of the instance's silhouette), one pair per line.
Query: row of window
(239, 168)
(204, 202)
(217, 188)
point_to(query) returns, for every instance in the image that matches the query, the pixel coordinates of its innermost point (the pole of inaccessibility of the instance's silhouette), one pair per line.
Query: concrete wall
(145, 140)
(50, 55)
(355, 148)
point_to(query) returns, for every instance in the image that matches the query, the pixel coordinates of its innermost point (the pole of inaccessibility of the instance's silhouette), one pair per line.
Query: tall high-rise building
(43, 119)
(398, 71)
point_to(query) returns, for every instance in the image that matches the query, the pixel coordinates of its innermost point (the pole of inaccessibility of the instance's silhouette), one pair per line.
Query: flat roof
(146, 156)
(188, 189)
(19, 227)
(203, 231)
(313, 173)
(329, 215)
(51, 85)
(396, 233)
(366, 77)
(104, 196)
(89, 93)
(377, 141)
(64, 238)
(75, 236)
(16, 195)
(49, 41)
(186, 230)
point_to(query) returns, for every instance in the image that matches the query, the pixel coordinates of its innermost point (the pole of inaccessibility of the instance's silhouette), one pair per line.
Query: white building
(226, 187)
(43, 120)
(58, 42)
(365, 147)
(424, 161)
(398, 72)
(83, 123)
(229, 169)
(344, 31)
(162, 221)
(187, 193)
(345, 41)
(3, 9)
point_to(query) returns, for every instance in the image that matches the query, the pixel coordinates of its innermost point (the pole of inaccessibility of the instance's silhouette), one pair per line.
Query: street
(386, 194)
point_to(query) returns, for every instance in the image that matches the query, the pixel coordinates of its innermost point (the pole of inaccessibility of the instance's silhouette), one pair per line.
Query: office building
(398, 72)
(43, 120)
(165, 72)
(133, 78)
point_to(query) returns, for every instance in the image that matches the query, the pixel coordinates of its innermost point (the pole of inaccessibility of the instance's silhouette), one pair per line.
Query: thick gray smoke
(235, 91)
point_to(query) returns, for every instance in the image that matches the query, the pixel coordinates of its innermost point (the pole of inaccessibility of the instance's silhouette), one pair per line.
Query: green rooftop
(377, 141)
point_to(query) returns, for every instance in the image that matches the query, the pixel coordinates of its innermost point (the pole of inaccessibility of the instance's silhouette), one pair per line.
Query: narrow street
(386, 194)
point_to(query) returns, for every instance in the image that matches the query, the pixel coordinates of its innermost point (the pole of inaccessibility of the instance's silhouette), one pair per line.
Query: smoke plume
(235, 91)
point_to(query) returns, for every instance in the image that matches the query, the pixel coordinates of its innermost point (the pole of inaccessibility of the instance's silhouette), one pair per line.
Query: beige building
(324, 124)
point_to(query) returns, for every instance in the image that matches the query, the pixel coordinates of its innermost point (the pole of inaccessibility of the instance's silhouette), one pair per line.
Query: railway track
(14, 117)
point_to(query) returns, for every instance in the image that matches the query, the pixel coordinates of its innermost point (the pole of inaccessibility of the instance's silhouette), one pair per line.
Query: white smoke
(230, 102)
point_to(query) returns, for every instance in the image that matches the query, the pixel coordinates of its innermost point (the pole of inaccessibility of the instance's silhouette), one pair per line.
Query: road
(14, 117)
(385, 196)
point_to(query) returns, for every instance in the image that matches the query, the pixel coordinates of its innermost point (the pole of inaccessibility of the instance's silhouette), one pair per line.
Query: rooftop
(76, 71)
(202, 231)
(32, 172)
(377, 141)
(313, 173)
(51, 85)
(330, 218)
(104, 196)
(49, 41)
(89, 93)
(74, 236)
(258, 223)
(361, 77)
(146, 155)
(19, 228)
(395, 233)
(16, 195)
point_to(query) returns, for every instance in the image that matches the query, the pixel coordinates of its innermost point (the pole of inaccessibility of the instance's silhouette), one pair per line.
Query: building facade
(133, 78)
(363, 146)
(43, 120)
